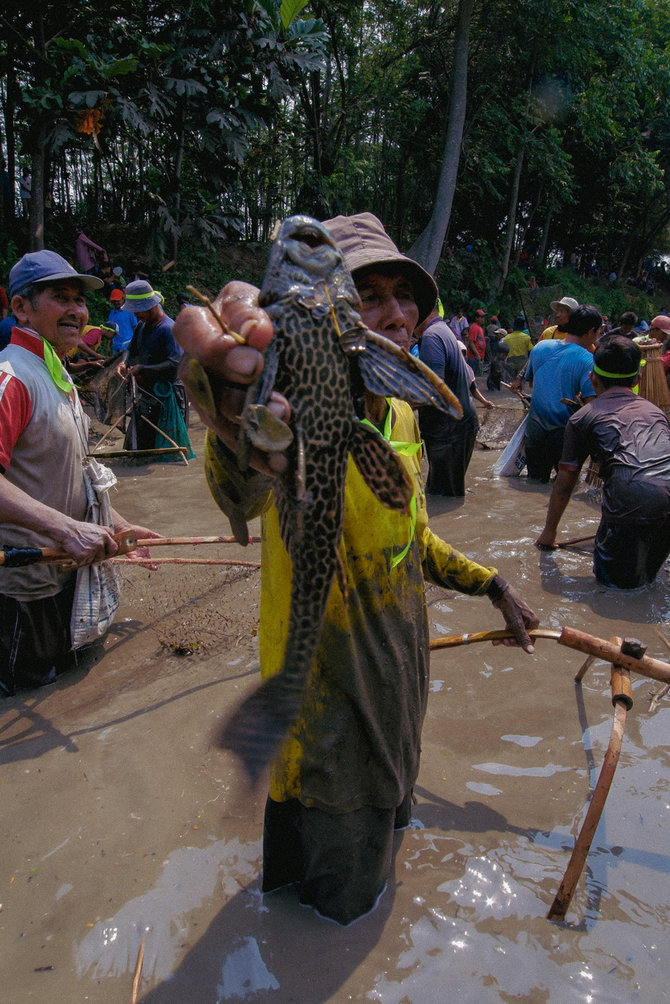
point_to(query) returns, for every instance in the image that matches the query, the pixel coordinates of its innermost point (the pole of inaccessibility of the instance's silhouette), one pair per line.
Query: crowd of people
(584, 374)
(343, 779)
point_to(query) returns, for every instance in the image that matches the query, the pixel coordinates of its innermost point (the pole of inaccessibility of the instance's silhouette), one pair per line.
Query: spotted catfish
(322, 359)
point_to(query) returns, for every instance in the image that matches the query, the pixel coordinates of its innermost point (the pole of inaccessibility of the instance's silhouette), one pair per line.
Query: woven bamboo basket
(653, 381)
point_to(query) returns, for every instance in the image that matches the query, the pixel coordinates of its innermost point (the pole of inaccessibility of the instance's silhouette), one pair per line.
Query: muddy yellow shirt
(357, 741)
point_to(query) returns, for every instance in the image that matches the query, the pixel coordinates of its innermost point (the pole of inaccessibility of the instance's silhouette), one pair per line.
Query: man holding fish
(344, 735)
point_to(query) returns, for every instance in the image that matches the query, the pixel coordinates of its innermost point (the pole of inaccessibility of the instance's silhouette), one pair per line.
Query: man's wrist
(496, 588)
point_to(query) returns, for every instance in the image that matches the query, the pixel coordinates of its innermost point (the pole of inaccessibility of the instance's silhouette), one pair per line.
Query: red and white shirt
(43, 440)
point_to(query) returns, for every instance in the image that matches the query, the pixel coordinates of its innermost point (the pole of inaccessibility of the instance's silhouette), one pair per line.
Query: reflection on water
(159, 916)
(244, 974)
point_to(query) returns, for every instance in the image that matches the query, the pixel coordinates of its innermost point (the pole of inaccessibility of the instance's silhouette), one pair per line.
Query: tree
(428, 248)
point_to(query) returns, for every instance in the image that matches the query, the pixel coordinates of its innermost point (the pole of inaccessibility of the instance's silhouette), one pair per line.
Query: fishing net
(498, 425)
(192, 614)
(171, 421)
(106, 391)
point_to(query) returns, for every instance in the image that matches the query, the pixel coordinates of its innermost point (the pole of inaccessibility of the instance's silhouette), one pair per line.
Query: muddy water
(122, 825)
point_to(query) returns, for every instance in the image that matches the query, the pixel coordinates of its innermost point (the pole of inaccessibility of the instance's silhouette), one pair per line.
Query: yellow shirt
(519, 343)
(357, 741)
(551, 332)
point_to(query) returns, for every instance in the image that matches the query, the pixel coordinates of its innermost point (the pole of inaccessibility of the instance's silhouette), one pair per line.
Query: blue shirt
(126, 323)
(6, 325)
(440, 350)
(557, 369)
(155, 350)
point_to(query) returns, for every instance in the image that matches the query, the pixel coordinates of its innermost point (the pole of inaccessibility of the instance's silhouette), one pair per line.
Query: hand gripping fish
(322, 359)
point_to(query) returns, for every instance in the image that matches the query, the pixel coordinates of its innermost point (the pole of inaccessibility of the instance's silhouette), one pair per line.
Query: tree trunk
(38, 174)
(428, 247)
(38, 159)
(178, 164)
(498, 283)
(542, 250)
(12, 103)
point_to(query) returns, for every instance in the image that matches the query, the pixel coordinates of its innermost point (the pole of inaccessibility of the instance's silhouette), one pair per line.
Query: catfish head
(303, 257)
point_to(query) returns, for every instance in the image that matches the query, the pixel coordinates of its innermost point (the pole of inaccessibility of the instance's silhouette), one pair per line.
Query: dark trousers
(34, 640)
(341, 860)
(449, 453)
(140, 435)
(543, 449)
(627, 555)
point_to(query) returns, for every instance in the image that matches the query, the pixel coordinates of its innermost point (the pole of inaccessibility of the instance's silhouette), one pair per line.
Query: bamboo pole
(138, 974)
(575, 540)
(148, 562)
(622, 700)
(111, 454)
(645, 666)
(572, 638)
(452, 641)
(179, 541)
(182, 449)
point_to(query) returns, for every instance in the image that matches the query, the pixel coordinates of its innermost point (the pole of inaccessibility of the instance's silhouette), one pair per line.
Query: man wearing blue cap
(43, 445)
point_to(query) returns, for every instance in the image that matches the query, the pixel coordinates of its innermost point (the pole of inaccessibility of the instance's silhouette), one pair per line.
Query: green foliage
(290, 9)
(205, 122)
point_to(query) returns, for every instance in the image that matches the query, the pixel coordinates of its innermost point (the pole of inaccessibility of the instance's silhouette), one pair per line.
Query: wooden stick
(655, 698)
(112, 428)
(127, 542)
(136, 453)
(452, 641)
(182, 449)
(147, 562)
(575, 540)
(178, 541)
(210, 306)
(138, 973)
(519, 393)
(572, 638)
(622, 702)
(582, 669)
(583, 843)
(662, 637)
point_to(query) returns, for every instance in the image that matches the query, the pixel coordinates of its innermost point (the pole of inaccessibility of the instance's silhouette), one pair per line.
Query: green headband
(614, 376)
(141, 296)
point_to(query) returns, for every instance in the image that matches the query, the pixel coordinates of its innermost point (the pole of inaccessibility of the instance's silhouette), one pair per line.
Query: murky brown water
(120, 823)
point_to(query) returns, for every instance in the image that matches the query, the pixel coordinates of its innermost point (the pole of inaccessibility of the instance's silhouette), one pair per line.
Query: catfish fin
(199, 387)
(384, 472)
(255, 730)
(387, 369)
(265, 430)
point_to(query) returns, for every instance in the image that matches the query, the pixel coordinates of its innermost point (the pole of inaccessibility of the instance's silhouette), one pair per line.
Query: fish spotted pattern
(321, 359)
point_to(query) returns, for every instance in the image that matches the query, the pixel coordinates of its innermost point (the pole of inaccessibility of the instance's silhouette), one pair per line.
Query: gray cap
(46, 266)
(567, 301)
(141, 296)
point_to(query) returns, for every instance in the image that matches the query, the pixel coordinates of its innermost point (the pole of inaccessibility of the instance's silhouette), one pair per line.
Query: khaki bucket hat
(366, 245)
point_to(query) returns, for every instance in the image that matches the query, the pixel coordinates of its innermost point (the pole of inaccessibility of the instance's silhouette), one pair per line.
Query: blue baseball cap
(46, 266)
